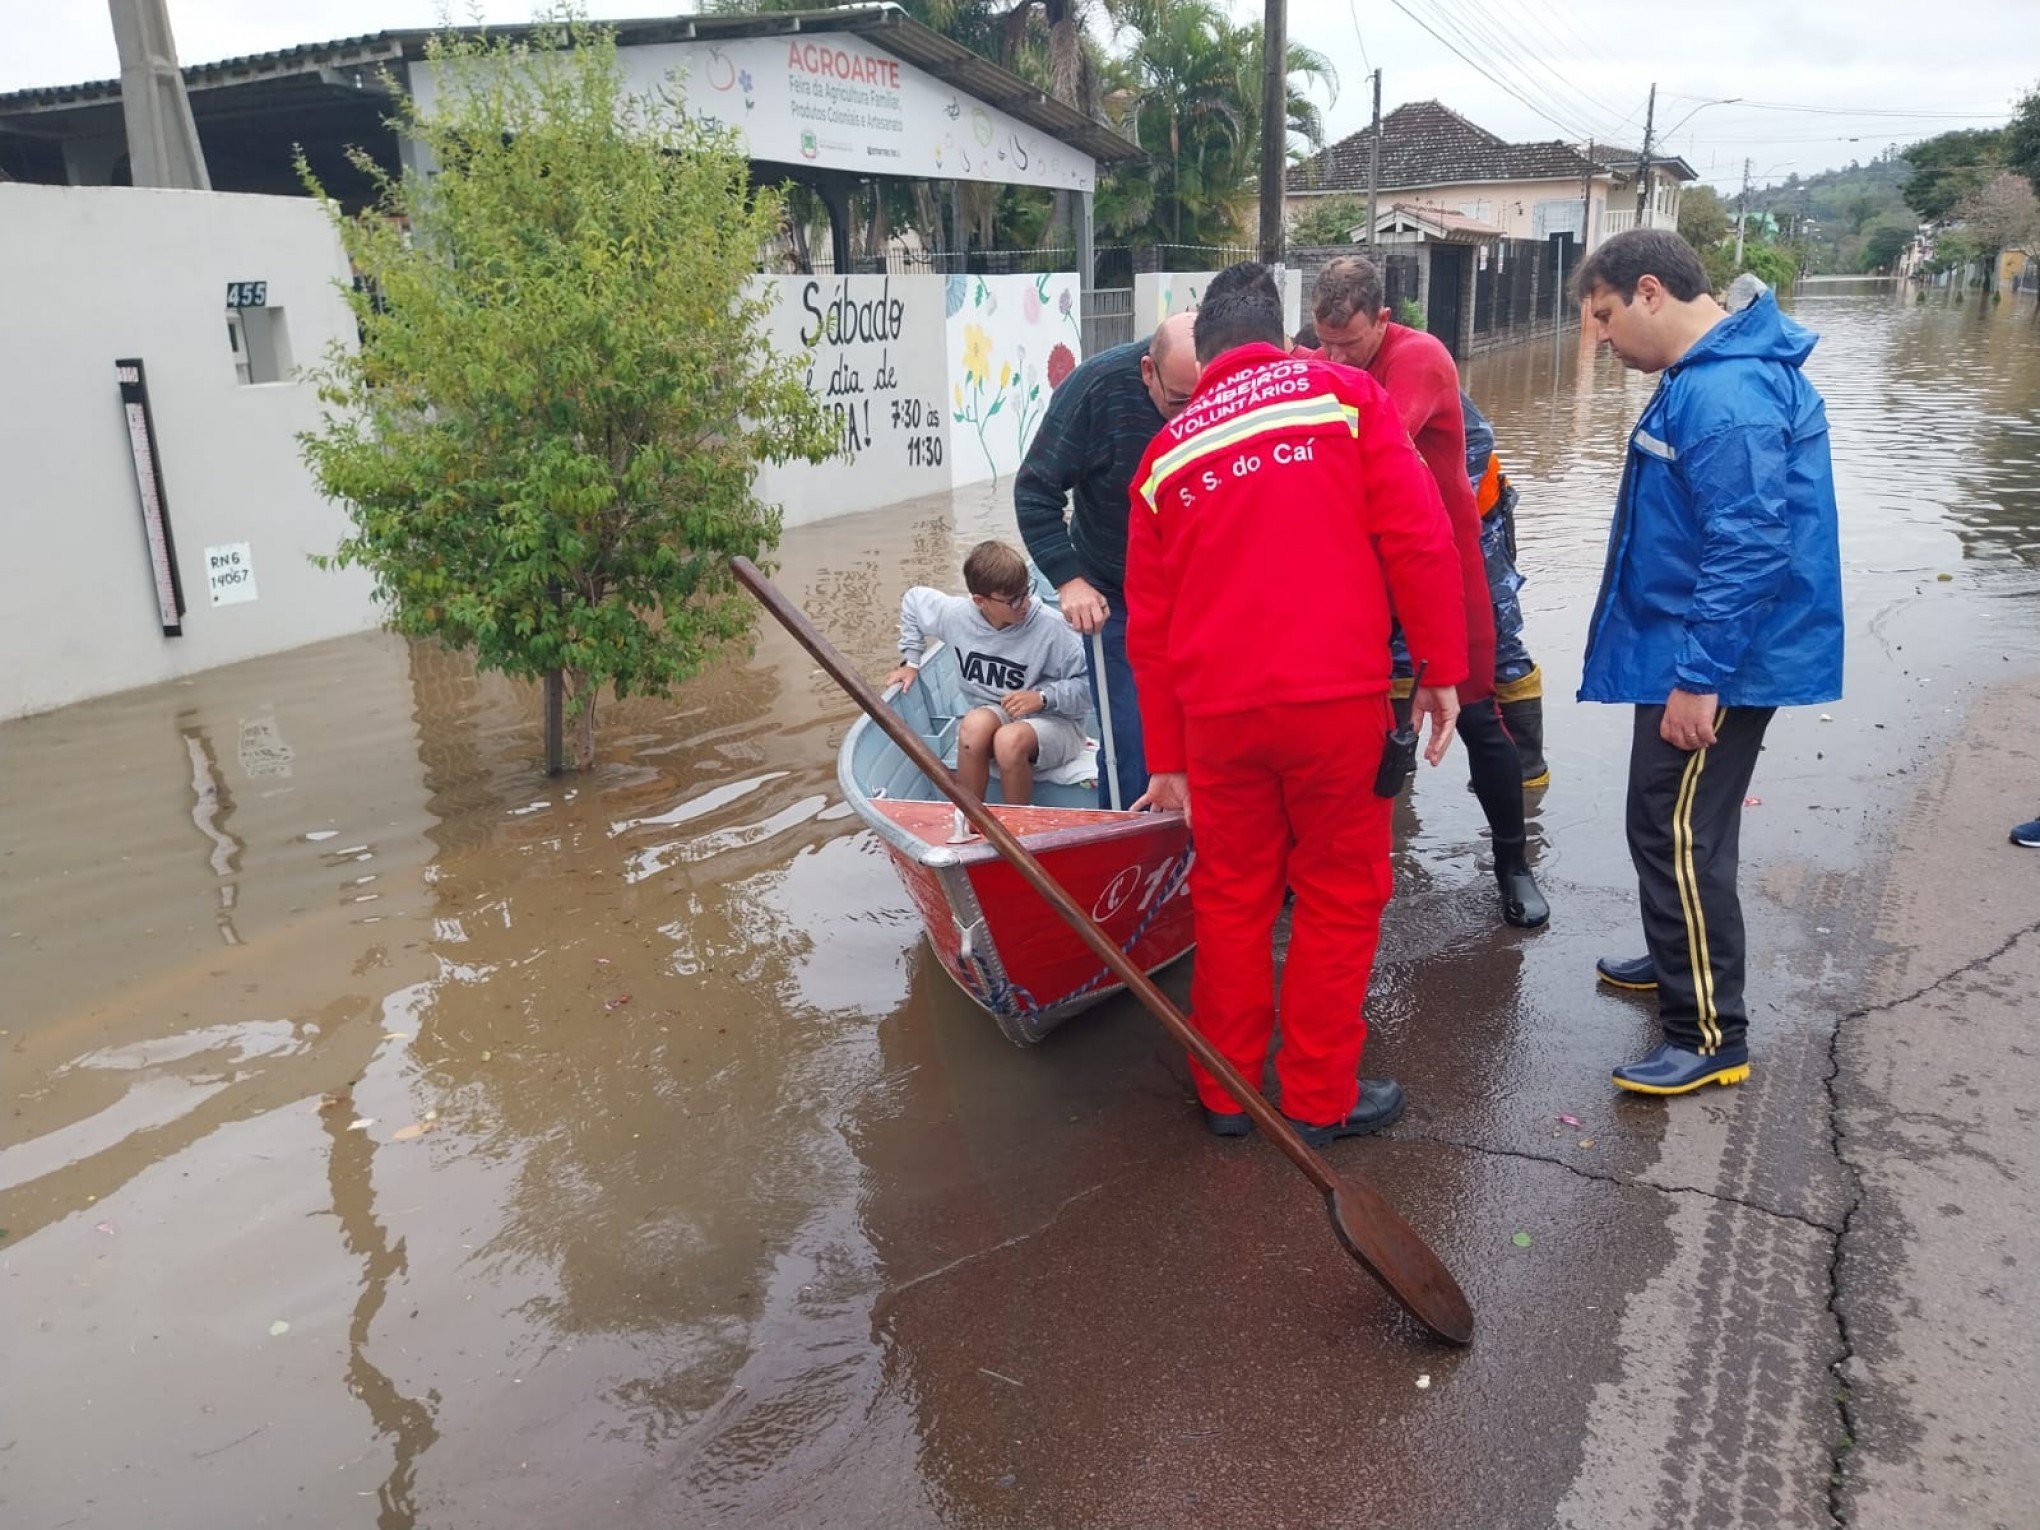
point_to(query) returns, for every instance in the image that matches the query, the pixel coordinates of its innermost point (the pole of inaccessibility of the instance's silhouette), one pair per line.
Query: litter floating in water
(361, 1123)
(1943, 578)
(1521, 1240)
(1753, 802)
(278, 1329)
(412, 1132)
(1825, 718)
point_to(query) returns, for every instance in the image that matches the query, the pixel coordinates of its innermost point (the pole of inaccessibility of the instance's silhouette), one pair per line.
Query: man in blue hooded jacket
(1721, 602)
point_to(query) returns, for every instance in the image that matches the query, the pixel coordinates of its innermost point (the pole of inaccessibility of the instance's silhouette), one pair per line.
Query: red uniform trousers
(1284, 796)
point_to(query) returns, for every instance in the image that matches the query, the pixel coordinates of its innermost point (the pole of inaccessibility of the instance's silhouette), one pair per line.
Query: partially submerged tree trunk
(582, 690)
(555, 722)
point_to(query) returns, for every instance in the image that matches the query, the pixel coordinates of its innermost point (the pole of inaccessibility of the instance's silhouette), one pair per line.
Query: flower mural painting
(976, 411)
(1007, 365)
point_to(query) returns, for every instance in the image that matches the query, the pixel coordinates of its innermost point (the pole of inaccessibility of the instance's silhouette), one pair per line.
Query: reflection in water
(406, 1422)
(733, 1211)
(212, 806)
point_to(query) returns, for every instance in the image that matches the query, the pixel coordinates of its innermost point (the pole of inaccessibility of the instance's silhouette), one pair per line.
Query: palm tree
(1191, 87)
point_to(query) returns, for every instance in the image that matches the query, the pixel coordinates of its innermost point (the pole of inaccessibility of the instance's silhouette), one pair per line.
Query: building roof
(884, 24)
(1426, 143)
(1616, 158)
(1440, 222)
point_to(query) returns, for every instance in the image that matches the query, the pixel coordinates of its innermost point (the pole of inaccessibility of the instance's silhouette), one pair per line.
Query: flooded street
(394, 1137)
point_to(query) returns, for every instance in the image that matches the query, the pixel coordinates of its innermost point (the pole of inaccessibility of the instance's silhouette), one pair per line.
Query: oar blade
(1375, 1234)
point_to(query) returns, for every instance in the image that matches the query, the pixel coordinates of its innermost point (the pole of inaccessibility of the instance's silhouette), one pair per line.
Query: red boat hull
(1004, 946)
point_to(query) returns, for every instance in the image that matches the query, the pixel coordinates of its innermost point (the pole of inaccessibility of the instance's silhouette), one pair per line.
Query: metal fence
(1519, 291)
(1108, 318)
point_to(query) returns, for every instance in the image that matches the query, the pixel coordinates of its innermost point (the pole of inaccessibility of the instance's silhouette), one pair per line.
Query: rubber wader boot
(1523, 903)
(1523, 714)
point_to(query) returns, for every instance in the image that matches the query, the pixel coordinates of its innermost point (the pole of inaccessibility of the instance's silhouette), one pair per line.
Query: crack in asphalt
(1947, 977)
(1759, 1207)
(1845, 1408)
(975, 1255)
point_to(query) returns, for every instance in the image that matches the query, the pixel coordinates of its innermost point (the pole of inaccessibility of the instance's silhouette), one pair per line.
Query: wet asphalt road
(393, 1137)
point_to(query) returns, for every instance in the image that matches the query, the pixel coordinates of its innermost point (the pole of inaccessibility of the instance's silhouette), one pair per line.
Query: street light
(1643, 186)
(1723, 101)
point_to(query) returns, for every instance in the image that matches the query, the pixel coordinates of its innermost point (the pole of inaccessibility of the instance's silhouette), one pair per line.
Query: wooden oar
(1372, 1231)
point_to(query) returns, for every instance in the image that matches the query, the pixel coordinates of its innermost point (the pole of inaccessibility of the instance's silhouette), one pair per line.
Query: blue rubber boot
(1673, 1070)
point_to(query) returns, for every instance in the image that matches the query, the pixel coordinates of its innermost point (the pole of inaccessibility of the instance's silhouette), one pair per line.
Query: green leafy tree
(2001, 214)
(2022, 138)
(1703, 220)
(1882, 246)
(1328, 220)
(1948, 168)
(548, 435)
(1191, 83)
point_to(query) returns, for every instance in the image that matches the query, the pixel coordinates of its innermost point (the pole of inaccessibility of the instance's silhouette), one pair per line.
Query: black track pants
(1685, 825)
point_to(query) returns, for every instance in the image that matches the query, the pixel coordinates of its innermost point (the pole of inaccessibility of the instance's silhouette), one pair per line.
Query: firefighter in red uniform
(1354, 329)
(1273, 523)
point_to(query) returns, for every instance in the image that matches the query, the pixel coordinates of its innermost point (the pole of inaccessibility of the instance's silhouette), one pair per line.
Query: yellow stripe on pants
(1688, 880)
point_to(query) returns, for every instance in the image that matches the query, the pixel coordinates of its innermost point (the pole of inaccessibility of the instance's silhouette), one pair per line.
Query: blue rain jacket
(1724, 566)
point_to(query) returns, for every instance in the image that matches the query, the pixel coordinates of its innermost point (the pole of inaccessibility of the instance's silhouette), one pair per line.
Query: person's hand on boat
(1019, 704)
(1082, 606)
(1441, 704)
(903, 677)
(1168, 792)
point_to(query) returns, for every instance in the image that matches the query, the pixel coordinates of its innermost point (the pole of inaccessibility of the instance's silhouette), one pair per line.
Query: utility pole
(162, 139)
(1741, 209)
(1374, 162)
(1587, 201)
(1274, 128)
(1643, 165)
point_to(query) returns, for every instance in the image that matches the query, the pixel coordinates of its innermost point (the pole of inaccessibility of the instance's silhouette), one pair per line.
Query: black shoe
(1635, 973)
(1523, 904)
(1381, 1104)
(1227, 1123)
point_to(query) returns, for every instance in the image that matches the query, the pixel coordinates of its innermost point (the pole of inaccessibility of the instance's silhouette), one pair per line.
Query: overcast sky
(1881, 71)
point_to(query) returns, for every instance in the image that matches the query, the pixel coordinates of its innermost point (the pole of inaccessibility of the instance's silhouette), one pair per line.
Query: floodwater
(396, 1137)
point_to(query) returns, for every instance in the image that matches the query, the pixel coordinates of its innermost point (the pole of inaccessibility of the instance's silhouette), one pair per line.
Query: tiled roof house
(1433, 157)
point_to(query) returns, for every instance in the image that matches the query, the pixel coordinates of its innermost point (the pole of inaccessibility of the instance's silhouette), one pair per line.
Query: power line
(1517, 39)
(1862, 111)
(1353, 8)
(1488, 32)
(1569, 129)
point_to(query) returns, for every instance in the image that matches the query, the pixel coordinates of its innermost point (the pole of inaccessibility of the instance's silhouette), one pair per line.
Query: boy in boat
(1022, 667)
(1274, 522)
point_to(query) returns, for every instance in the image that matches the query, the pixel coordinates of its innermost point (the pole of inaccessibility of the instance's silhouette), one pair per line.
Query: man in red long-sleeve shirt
(1354, 329)
(1264, 695)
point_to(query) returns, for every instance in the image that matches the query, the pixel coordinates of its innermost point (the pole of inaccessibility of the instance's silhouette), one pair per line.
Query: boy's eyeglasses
(1010, 602)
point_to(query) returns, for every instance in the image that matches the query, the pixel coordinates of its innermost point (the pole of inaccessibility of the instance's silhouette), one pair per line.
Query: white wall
(89, 275)
(889, 394)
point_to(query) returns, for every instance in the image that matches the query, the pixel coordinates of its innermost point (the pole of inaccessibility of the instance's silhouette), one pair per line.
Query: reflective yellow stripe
(1688, 879)
(1326, 409)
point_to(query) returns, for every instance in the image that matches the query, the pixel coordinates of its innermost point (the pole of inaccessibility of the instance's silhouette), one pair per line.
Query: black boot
(1523, 904)
(1523, 714)
(1491, 761)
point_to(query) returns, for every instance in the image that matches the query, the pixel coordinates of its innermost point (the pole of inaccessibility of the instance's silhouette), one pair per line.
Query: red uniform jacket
(1423, 383)
(1271, 523)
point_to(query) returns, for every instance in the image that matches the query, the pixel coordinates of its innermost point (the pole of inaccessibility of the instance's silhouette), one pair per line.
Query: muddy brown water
(393, 1136)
